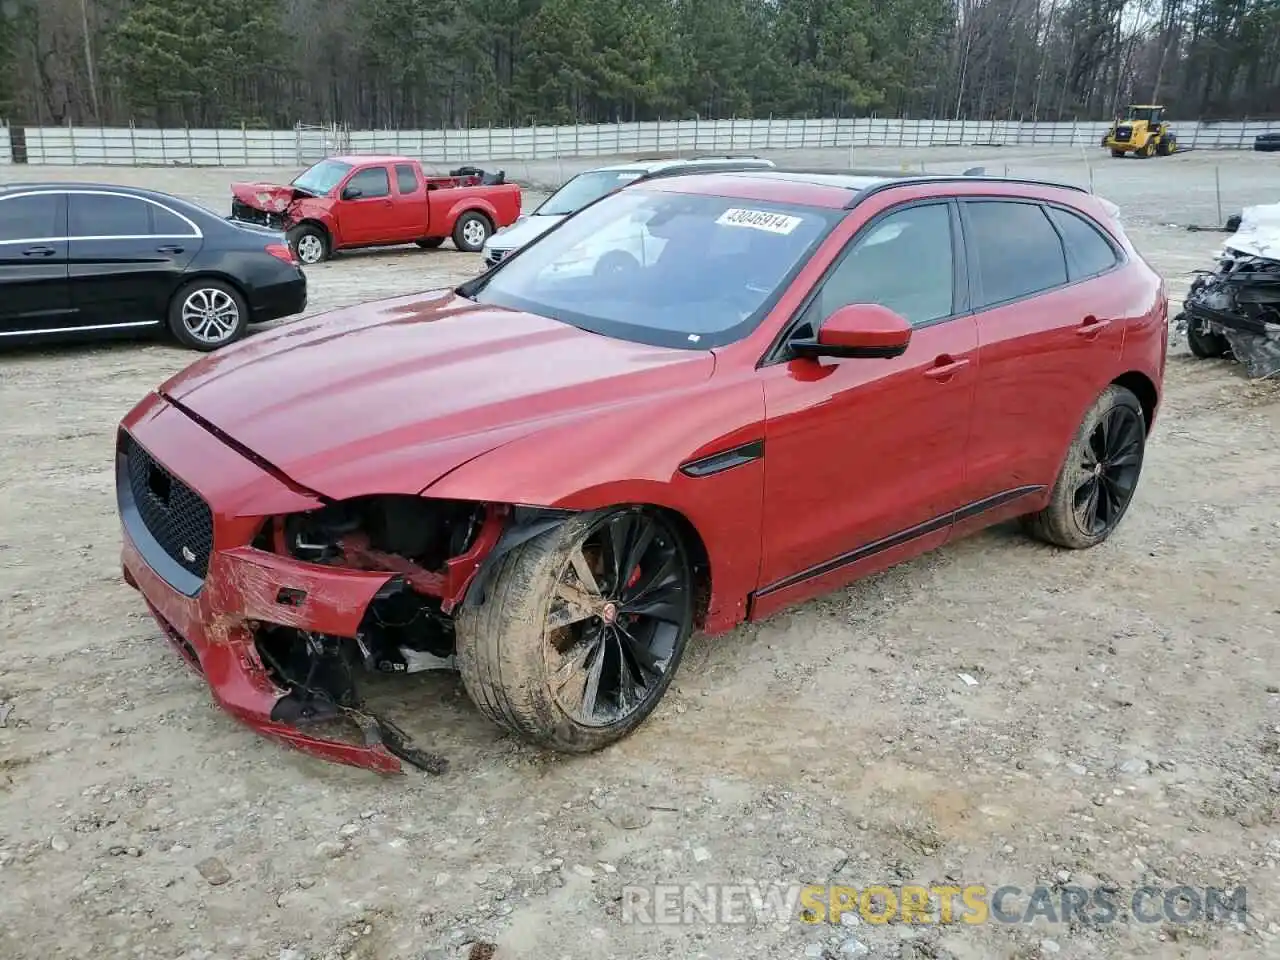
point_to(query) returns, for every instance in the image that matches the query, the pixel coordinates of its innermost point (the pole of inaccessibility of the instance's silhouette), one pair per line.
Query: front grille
(175, 515)
(242, 211)
(1123, 133)
(493, 257)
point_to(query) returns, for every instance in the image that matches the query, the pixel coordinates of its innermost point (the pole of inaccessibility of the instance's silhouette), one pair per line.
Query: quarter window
(903, 262)
(406, 178)
(1018, 249)
(30, 217)
(1088, 252)
(166, 223)
(371, 183)
(105, 215)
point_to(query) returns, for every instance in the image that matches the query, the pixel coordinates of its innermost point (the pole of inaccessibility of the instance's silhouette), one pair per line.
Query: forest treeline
(452, 63)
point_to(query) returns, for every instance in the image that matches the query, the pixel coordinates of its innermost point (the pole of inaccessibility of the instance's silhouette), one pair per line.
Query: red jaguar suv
(695, 401)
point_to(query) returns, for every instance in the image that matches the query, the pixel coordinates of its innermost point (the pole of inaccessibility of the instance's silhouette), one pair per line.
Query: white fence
(263, 148)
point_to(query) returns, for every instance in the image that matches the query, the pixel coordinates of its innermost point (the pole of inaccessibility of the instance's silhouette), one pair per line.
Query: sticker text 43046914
(759, 220)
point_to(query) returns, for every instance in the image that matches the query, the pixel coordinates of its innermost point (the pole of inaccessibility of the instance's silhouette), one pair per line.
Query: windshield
(667, 269)
(322, 177)
(1141, 113)
(583, 189)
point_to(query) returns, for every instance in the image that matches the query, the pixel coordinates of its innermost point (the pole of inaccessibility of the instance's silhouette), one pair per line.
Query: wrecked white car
(1235, 309)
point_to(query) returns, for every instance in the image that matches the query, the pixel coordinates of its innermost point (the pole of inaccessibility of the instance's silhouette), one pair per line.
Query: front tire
(1098, 477)
(1203, 342)
(470, 231)
(582, 629)
(207, 314)
(309, 244)
(1117, 153)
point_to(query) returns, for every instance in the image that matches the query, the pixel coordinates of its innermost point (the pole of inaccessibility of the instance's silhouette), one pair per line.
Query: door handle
(1091, 327)
(944, 368)
(170, 248)
(39, 252)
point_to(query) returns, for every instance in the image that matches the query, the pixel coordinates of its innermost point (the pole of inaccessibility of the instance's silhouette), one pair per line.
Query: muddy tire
(1203, 342)
(309, 244)
(529, 651)
(1099, 474)
(471, 231)
(430, 243)
(207, 313)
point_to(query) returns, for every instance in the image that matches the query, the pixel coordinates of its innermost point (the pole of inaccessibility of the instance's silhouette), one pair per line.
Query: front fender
(319, 209)
(635, 455)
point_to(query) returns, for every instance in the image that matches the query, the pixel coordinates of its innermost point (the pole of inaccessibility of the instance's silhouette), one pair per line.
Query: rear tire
(309, 244)
(206, 314)
(471, 231)
(528, 652)
(430, 243)
(1204, 343)
(1099, 474)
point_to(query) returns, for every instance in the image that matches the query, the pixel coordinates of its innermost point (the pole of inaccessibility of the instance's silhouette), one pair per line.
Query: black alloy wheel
(618, 620)
(1112, 463)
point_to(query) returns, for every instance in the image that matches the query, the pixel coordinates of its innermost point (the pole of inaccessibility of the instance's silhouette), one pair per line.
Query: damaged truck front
(1235, 309)
(369, 201)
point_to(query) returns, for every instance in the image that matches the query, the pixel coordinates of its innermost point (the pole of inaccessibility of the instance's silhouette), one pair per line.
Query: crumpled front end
(264, 204)
(280, 599)
(1240, 300)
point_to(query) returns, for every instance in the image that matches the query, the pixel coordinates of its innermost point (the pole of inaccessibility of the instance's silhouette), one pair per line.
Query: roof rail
(727, 165)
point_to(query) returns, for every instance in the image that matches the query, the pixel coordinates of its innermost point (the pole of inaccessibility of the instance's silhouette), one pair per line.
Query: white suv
(594, 184)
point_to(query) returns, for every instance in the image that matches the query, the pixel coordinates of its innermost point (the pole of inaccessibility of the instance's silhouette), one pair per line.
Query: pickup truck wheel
(430, 243)
(310, 245)
(207, 314)
(471, 231)
(1098, 476)
(582, 629)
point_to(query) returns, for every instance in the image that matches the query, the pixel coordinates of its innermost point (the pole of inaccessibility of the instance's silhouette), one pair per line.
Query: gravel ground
(1118, 721)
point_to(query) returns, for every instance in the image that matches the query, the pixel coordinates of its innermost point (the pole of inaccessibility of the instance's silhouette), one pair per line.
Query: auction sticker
(759, 220)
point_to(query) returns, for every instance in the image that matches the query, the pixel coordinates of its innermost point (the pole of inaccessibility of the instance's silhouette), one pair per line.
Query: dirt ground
(1123, 727)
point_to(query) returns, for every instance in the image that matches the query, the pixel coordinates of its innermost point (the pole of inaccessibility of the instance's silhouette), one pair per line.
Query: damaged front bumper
(193, 512)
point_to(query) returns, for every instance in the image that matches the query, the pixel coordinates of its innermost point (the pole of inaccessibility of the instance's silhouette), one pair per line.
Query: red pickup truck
(345, 202)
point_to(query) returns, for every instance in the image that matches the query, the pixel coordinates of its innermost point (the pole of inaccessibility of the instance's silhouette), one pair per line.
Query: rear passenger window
(108, 215)
(406, 178)
(1088, 252)
(1018, 249)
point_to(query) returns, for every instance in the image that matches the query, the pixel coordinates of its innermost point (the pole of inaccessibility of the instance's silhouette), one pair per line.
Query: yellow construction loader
(1143, 132)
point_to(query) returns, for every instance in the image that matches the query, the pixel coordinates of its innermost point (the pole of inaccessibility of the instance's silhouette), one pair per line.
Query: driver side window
(371, 183)
(904, 261)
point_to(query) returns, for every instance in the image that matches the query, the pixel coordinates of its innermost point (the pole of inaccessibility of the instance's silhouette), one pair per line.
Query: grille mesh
(174, 514)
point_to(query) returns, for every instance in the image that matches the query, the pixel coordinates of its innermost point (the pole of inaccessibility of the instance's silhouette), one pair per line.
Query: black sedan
(1267, 142)
(80, 260)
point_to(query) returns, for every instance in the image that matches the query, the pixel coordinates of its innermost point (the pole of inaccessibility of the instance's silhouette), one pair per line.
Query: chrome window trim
(196, 234)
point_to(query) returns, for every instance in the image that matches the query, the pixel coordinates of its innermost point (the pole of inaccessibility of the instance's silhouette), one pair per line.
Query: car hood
(389, 397)
(523, 231)
(267, 197)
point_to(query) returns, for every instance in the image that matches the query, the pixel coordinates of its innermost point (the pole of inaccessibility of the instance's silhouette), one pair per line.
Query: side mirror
(862, 330)
(352, 193)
